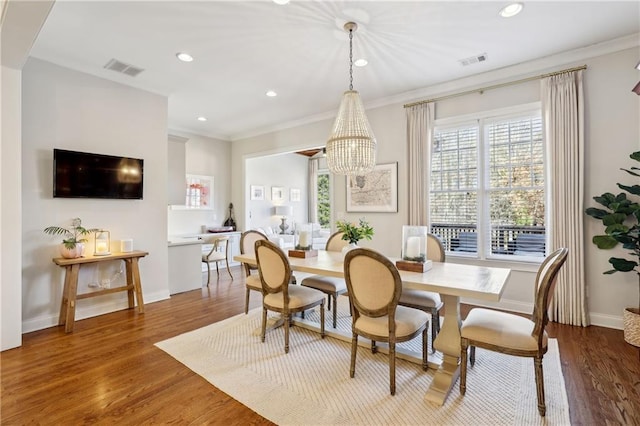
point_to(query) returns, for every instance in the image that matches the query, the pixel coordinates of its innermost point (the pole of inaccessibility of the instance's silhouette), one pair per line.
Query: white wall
(612, 133)
(210, 157)
(10, 217)
(286, 171)
(66, 109)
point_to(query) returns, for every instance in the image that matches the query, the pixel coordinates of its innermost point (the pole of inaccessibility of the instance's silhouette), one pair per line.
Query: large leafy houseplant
(621, 219)
(354, 233)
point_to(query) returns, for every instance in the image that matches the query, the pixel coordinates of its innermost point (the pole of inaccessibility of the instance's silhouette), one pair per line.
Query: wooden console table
(72, 267)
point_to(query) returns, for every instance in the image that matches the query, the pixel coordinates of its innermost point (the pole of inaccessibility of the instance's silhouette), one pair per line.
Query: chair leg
(335, 309)
(287, 321)
(540, 385)
(322, 319)
(329, 304)
(463, 365)
(435, 325)
(217, 268)
(264, 324)
(392, 366)
(473, 355)
(208, 273)
(228, 270)
(425, 348)
(354, 349)
(374, 348)
(246, 302)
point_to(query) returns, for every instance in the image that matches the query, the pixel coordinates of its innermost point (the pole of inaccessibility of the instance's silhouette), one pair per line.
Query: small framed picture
(277, 193)
(257, 192)
(294, 194)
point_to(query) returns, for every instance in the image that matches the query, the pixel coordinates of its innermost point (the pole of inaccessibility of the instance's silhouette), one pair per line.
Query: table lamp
(284, 211)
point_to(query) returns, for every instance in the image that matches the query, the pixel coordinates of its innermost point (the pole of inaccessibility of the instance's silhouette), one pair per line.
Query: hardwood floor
(108, 371)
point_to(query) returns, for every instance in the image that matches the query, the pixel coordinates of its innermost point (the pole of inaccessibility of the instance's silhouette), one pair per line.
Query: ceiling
(244, 48)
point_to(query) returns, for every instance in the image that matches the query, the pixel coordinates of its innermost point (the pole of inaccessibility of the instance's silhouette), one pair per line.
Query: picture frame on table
(376, 191)
(277, 193)
(257, 192)
(294, 194)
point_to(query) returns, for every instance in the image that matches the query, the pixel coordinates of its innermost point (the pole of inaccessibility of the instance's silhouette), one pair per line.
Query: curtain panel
(420, 120)
(313, 190)
(563, 115)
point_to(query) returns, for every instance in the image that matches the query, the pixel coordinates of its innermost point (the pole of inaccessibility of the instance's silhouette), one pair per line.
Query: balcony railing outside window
(505, 240)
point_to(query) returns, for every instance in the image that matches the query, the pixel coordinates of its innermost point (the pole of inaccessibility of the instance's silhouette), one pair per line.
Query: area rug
(311, 385)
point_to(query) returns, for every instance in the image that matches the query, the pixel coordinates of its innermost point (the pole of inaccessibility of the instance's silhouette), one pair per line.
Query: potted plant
(354, 233)
(73, 243)
(621, 219)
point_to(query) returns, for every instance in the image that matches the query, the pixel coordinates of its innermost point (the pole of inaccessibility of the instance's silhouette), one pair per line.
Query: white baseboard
(39, 323)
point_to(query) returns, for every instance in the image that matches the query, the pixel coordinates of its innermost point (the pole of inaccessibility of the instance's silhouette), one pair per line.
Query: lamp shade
(351, 148)
(284, 210)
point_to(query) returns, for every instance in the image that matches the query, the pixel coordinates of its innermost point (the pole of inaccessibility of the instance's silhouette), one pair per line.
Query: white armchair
(319, 236)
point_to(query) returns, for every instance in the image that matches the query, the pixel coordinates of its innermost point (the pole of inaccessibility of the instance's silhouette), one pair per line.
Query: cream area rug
(311, 385)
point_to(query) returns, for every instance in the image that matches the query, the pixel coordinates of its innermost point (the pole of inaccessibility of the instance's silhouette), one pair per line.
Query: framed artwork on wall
(277, 193)
(294, 194)
(199, 192)
(257, 192)
(376, 191)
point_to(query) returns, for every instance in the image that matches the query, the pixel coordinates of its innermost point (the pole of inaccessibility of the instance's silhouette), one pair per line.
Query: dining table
(451, 280)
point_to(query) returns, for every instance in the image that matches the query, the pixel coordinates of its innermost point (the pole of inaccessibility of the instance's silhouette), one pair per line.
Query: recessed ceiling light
(511, 10)
(360, 62)
(271, 94)
(184, 57)
(202, 118)
(281, 2)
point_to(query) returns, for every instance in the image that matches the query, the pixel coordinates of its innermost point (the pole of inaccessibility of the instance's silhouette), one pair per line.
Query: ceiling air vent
(473, 59)
(121, 67)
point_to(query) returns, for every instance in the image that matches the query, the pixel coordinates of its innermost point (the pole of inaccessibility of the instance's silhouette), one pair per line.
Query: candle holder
(102, 243)
(303, 241)
(414, 249)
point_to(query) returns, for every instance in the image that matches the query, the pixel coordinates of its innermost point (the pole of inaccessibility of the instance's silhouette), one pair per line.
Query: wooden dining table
(452, 281)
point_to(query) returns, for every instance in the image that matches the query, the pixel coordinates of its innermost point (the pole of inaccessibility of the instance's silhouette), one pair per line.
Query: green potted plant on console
(621, 219)
(73, 242)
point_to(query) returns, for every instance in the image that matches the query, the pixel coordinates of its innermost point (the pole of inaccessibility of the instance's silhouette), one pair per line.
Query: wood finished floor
(108, 371)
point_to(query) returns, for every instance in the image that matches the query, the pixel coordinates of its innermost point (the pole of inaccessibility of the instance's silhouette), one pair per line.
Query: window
(487, 196)
(324, 199)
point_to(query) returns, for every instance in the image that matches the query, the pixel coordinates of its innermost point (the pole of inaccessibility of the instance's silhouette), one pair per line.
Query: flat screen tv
(86, 175)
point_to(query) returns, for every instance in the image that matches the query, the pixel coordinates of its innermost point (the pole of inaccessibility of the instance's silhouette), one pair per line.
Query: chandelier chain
(351, 59)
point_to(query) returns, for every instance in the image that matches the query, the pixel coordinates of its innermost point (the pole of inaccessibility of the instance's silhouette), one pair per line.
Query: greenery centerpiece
(354, 233)
(73, 241)
(621, 219)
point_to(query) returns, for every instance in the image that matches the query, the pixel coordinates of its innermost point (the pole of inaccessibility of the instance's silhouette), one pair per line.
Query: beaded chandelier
(351, 148)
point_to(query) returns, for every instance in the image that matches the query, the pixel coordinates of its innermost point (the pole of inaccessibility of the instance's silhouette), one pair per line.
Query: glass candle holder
(303, 235)
(414, 243)
(102, 243)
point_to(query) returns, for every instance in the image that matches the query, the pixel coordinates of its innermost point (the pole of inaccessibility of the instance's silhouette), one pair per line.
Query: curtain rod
(496, 86)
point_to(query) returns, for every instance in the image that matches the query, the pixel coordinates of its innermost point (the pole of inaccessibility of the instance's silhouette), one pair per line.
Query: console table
(72, 267)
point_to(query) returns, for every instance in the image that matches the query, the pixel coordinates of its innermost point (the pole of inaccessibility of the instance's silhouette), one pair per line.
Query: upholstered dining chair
(278, 294)
(331, 286)
(427, 301)
(219, 252)
(512, 334)
(252, 281)
(374, 287)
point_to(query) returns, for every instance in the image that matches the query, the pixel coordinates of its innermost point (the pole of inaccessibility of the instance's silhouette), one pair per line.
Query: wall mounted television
(85, 175)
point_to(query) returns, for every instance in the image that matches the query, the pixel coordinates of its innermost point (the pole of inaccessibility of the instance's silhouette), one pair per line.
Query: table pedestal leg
(447, 342)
